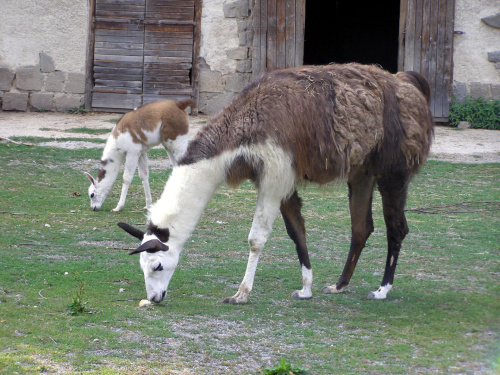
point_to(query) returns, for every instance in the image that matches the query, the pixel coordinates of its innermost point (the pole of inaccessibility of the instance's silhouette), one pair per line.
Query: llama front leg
(131, 161)
(266, 212)
(144, 175)
(393, 190)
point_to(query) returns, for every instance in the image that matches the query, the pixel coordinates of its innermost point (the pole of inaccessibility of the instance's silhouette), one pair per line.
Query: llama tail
(417, 80)
(183, 104)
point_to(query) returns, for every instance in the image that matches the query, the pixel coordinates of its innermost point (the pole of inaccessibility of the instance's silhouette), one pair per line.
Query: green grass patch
(441, 317)
(88, 131)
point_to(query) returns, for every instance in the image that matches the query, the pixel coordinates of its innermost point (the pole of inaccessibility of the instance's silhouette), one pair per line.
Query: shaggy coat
(308, 124)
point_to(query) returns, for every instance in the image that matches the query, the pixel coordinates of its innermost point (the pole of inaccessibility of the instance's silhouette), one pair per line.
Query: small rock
(47, 225)
(463, 125)
(144, 302)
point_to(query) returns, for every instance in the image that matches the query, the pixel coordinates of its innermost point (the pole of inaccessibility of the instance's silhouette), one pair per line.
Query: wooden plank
(170, 47)
(117, 58)
(290, 34)
(152, 39)
(432, 60)
(116, 100)
(426, 30)
(448, 60)
(280, 34)
(440, 59)
(263, 36)
(156, 3)
(169, 53)
(401, 36)
(117, 51)
(257, 30)
(272, 31)
(417, 36)
(122, 26)
(300, 21)
(89, 58)
(166, 60)
(410, 38)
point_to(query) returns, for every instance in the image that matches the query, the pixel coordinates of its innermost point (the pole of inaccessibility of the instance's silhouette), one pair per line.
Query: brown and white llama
(162, 122)
(308, 124)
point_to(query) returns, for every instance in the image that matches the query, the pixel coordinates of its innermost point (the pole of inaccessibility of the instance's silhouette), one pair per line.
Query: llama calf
(162, 122)
(308, 124)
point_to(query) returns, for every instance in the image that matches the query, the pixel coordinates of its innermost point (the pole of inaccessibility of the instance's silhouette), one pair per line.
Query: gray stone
(42, 101)
(480, 90)
(495, 92)
(464, 125)
(235, 9)
(46, 63)
(494, 56)
(493, 21)
(75, 83)
(460, 91)
(210, 103)
(65, 102)
(497, 65)
(244, 66)
(240, 53)
(15, 101)
(55, 81)
(6, 79)
(236, 82)
(29, 78)
(211, 81)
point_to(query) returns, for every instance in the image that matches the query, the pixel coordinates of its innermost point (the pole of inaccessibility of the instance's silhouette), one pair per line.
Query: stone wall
(225, 52)
(476, 56)
(40, 88)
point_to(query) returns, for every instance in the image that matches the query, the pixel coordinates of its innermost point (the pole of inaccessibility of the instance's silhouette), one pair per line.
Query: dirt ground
(466, 146)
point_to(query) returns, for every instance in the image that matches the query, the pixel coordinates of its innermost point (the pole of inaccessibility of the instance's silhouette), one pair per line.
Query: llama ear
(137, 233)
(91, 179)
(152, 246)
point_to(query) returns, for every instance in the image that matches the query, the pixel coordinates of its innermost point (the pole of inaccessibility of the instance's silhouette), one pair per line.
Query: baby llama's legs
(131, 161)
(144, 175)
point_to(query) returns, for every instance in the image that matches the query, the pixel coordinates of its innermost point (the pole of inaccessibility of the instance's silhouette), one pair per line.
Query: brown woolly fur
(338, 117)
(147, 117)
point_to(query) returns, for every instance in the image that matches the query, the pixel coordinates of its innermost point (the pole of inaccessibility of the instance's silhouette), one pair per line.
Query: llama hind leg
(294, 223)
(143, 171)
(360, 205)
(131, 161)
(393, 190)
(266, 212)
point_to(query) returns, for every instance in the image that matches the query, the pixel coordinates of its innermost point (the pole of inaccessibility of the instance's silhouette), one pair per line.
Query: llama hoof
(116, 209)
(233, 301)
(331, 290)
(300, 294)
(381, 293)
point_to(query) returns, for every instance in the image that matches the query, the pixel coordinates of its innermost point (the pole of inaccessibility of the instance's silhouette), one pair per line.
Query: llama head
(157, 262)
(96, 197)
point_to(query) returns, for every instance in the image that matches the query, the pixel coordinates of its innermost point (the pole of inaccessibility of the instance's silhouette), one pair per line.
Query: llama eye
(92, 195)
(159, 267)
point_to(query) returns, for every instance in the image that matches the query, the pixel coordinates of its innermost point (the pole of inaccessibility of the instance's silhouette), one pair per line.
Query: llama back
(330, 119)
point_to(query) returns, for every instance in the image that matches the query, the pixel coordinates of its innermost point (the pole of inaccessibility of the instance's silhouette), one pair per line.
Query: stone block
(495, 92)
(480, 90)
(46, 63)
(65, 102)
(29, 78)
(211, 81)
(236, 82)
(42, 101)
(6, 79)
(244, 66)
(55, 81)
(235, 9)
(15, 101)
(240, 53)
(494, 56)
(460, 91)
(75, 83)
(493, 20)
(210, 103)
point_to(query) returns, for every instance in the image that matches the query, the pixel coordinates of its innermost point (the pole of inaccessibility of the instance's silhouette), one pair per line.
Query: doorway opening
(342, 31)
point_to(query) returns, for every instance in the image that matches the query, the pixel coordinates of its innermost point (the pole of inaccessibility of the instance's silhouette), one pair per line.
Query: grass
(441, 317)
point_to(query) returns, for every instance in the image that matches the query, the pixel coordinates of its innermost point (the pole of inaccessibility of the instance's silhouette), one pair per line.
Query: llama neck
(110, 167)
(187, 192)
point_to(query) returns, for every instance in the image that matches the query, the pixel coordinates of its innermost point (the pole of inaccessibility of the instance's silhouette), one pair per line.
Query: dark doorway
(342, 31)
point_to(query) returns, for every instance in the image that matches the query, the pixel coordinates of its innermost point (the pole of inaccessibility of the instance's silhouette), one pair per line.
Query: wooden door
(278, 34)
(144, 51)
(426, 46)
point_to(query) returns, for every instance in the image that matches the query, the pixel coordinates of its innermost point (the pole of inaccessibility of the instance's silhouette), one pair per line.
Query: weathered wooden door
(426, 46)
(278, 34)
(144, 50)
